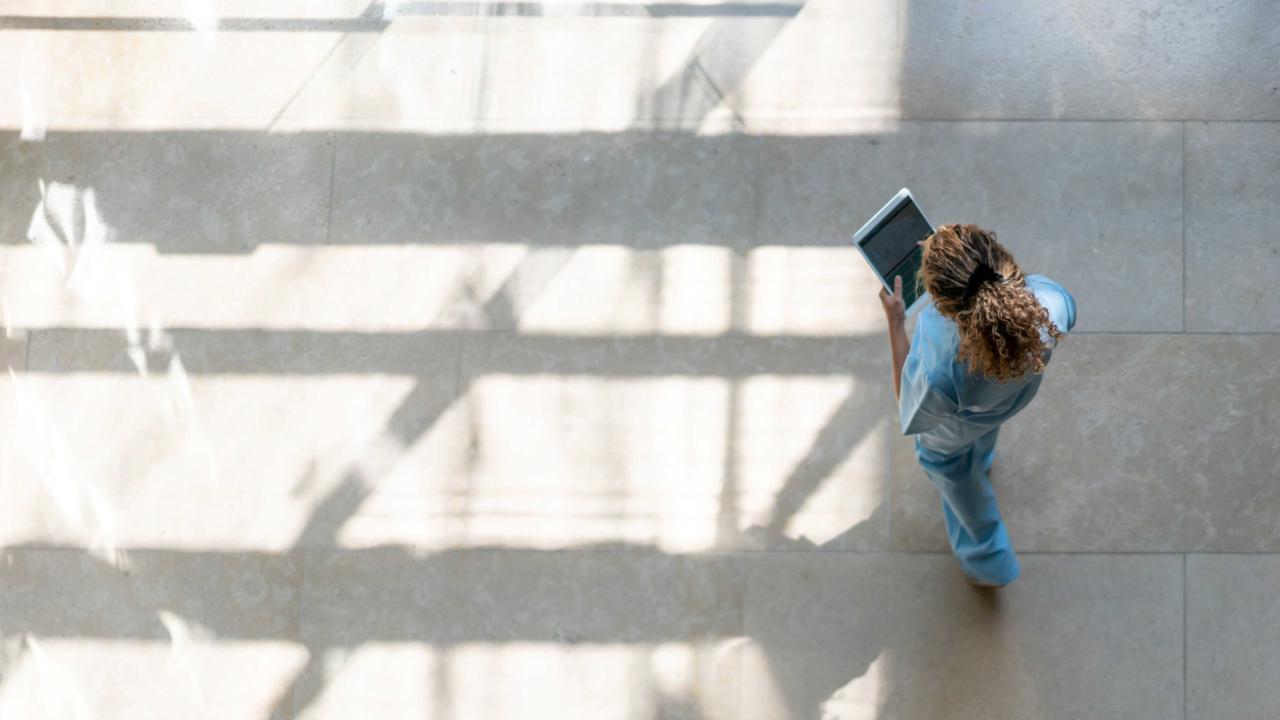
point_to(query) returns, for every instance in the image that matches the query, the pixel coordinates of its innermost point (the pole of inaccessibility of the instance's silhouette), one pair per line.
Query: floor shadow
(816, 639)
(818, 624)
(186, 191)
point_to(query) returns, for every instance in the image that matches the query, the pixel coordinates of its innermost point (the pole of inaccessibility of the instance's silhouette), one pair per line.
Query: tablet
(890, 243)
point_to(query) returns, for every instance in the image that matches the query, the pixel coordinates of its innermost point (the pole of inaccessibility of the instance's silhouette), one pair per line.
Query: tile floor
(509, 360)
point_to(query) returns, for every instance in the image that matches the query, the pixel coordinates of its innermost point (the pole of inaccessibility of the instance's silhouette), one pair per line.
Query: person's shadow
(860, 634)
(864, 642)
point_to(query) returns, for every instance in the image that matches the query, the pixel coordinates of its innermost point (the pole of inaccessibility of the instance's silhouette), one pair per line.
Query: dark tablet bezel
(876, 223)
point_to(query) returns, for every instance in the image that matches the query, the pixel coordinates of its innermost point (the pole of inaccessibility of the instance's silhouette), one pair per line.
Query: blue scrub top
(943, 403)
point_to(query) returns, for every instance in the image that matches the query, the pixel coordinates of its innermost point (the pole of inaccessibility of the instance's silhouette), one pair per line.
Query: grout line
(459, 356)
(691, 124)
(743, 597)
(854, 127)
(1184, 636)
(1060, 120)
(302, 598)
(888, 505)
(1177, 333)
(757, 192)
(477, 332)
(333, 164)
(649, 550)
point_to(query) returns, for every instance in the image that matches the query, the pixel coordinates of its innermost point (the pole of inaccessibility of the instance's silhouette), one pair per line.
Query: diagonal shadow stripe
(732, 49)
(412, 419)
(842, 432)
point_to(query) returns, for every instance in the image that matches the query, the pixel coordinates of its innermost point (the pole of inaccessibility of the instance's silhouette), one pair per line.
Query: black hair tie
(981, 274)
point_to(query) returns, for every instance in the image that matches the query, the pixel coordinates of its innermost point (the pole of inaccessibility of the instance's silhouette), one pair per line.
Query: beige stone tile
(13, 349)
(608, 66)
(1089, 60)
(164, 8)
(1231, 212)
(1231, 636)
(594, 289)
(833, 66)
(1150, 443)
(640, 190)
(1096, 206)
(816, 290)
(183, 192)
(145, 634)
(452, 67)
(684, 443)
(590, 290)
(62, 592)
(614, 66)
(356, 440)
(303, 427)
(534, 70)
(507, 632)
(565, 461)
(681, 288)
(146, 80)
(878, 636)
(363, 289)
(811, 460)
(242, 463)
(419, 74)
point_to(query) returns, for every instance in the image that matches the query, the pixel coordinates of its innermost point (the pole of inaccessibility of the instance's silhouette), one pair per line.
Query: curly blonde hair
(1004, 331)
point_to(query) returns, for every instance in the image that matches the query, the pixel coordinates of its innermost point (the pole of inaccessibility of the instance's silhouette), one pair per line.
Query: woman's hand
(894, 309)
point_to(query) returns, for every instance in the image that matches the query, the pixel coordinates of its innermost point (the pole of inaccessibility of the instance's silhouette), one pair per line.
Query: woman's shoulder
(1056, 299)
(1044, 281)
(935, 345)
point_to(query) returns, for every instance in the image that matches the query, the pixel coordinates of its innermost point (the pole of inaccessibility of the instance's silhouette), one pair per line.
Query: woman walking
(976, 359)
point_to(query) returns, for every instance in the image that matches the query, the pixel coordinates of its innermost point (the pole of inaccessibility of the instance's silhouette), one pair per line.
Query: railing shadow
(455, 359)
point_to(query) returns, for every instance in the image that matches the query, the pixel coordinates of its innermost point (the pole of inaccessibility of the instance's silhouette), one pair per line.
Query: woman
(977, 358)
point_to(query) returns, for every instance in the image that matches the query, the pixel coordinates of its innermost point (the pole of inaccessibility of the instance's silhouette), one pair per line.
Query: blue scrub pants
(978, 535)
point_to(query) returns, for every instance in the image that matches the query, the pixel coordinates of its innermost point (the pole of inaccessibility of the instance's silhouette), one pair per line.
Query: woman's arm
(899, 344)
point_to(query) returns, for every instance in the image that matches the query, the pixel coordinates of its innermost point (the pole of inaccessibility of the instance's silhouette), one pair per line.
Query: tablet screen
(893, 249)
